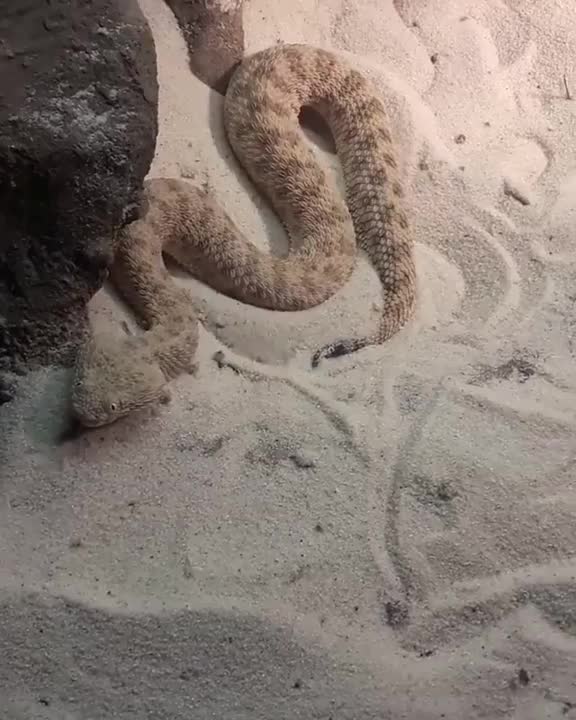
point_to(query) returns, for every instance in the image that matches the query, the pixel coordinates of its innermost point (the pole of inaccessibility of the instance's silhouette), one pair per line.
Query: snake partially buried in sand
(261, 110)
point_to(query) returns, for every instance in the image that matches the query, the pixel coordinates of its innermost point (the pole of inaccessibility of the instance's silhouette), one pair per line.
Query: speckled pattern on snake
(261, 109)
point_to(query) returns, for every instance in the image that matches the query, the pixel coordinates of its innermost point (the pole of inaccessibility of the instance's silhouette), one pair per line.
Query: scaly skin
(261, 111)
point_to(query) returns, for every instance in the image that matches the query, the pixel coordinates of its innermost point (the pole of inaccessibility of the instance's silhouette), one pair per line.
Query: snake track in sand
(261, 109)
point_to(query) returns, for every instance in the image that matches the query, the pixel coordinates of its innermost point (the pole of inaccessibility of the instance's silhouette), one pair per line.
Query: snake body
(261, 110)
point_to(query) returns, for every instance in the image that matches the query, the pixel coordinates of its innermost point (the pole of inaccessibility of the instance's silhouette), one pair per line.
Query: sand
(389, 536)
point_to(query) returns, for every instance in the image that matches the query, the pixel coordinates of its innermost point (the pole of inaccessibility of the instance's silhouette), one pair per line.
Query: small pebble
(523, 677)
(302, 461)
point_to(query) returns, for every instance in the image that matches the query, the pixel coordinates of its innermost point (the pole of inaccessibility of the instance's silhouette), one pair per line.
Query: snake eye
(113, 406)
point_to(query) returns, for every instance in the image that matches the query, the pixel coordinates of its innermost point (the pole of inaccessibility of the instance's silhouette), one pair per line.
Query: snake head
(114, 378)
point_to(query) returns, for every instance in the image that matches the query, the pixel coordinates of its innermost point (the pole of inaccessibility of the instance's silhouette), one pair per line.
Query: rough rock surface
(214, 35)
(78, 125)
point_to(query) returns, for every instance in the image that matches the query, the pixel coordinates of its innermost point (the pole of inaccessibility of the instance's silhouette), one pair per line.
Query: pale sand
(390, 536)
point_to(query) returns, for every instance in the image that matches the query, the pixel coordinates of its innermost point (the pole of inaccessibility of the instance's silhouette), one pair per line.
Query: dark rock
(78, 125)
(214, 35)
(7, 389)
